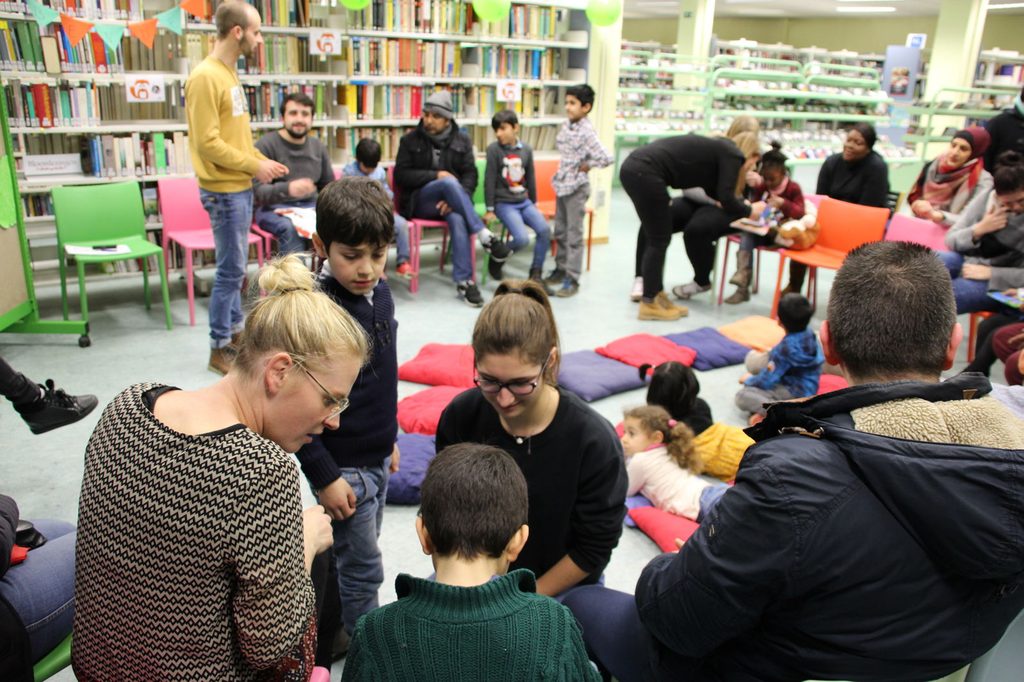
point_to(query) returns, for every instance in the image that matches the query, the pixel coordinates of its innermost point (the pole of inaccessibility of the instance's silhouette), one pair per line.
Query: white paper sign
(145, 87)
(510, 91)
(324, 41)
(52, 164)
(918, 40)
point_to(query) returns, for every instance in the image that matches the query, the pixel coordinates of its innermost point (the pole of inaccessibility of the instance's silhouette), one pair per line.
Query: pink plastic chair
(320, 675)
(187, 224)
(904, 228)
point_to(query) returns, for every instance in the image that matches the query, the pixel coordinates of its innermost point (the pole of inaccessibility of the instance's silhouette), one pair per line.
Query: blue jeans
(356, 553)
(288, 240)
(612, 631)
(709, 497)
(402, 238)
(971, 294)
(516, 217)
(41, 589)
(231, 218)
(462, 221)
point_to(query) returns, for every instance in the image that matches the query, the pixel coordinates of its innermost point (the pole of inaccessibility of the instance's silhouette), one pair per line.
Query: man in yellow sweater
(225, 161)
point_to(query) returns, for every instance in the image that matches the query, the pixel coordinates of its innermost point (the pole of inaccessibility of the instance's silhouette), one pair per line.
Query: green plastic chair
(53, 662)
(101, 215)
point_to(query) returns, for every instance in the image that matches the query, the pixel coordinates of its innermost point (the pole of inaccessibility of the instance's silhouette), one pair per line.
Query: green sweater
(502, 630)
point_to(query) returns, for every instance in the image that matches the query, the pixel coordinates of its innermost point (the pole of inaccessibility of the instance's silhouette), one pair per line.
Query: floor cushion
(663, 527)
(757, 332)
(647, 349)
(592, 376)
(713, 349)
(420, 412)
(416, 451)
(831, 382)
(440, 364)
(635, 502)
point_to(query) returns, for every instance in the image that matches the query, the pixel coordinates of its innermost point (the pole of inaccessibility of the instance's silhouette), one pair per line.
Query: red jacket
(791, 193)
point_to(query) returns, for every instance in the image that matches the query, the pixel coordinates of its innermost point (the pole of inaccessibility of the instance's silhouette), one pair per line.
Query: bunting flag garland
(76, 29)
(111, 34)
(145, 31)
(41, 13)
(196, 8)
(171, 20)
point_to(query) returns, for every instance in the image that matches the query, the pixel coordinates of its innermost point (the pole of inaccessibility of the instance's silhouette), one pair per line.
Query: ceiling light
(1012, 5)
(869, 0)
(865, 9)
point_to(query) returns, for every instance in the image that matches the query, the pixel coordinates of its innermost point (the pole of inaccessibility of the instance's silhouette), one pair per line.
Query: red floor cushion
(831, 382)
(647, 349)
(663, 527)
(757, 332)
(440, 364)
(420, 412)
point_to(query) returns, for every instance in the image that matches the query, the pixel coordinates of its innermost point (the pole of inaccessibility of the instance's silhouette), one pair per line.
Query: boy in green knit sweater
(476, 621)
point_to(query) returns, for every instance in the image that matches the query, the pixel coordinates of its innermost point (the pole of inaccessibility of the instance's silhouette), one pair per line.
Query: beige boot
(663, 300)
(660, 309)
(741, 295)
(743, 270)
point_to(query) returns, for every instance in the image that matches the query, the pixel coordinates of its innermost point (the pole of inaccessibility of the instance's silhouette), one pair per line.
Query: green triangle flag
(41, 13)
(111, 34)
(171, 20)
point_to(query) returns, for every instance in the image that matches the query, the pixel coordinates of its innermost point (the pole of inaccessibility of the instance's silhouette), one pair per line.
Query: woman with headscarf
(948, 183)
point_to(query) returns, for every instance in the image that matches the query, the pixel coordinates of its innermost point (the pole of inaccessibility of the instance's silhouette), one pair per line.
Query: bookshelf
(1000, 70)
(954, 108)
(393, 55)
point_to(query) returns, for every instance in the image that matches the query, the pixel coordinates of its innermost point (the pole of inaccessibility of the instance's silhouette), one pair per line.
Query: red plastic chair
(187, 224)
(844, 227)
(904, 228)
(544, 169)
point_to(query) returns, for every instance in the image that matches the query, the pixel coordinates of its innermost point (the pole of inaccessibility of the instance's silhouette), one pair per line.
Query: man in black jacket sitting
(873, 533)
(435, 172)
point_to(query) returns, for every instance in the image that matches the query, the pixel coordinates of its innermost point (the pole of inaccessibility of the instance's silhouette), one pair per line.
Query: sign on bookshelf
(324, 41)
(52, 164)
(144, 88)
(510, 91)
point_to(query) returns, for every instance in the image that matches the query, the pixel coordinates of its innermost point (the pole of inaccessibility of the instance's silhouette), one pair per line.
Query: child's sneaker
(404, 270)
(494, 267)
(555, 278)
(637, 291)
(470, 293)
(570, 287)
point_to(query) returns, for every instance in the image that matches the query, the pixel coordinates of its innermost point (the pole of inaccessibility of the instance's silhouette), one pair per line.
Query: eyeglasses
(519, 387)
(340, 404)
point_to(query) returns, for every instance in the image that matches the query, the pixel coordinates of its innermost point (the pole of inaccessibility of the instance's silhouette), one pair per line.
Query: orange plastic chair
(544, 169)
(187, 224)
(844, 227)
(972, 331)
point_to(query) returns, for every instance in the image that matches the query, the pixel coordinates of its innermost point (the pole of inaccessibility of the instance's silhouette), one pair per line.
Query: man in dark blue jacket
(873, 533)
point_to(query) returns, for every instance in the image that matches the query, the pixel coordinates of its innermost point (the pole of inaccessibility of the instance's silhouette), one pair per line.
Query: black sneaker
(556, 278)
(494, 267)
(570, 287)
(56, 408)
(537, 275)
(470, 294)
(498, 249)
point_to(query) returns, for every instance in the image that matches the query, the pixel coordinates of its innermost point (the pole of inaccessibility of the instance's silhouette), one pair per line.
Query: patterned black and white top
(190, 551)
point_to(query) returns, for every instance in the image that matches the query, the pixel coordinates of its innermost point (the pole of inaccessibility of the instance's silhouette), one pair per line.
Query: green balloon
(355, 4)
(492, 10)
(604, 12)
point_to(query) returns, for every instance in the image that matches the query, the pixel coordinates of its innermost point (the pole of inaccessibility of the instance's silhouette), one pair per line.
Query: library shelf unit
(975, 105)
(1000, 69)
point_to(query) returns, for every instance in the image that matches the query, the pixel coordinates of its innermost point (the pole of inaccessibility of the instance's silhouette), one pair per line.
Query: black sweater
(414, 164)
(574, 474)
(1007, 132)
(711, 163)
(864, 182)
(369, 426)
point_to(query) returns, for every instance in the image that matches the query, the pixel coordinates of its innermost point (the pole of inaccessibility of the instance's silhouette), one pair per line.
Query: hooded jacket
(844, 554)
(414, 164)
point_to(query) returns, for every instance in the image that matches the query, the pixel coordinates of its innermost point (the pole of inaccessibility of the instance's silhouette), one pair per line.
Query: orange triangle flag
(195, 8)
(145, 31)
(76, 29)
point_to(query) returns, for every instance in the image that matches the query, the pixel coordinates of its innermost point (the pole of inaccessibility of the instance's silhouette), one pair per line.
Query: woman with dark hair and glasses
(569, 454)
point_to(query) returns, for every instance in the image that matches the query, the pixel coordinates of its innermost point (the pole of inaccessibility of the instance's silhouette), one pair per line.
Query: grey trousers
(569, 213)
(752, 399)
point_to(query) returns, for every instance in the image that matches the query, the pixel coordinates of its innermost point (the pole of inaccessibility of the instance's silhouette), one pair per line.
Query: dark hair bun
(776, 146)
(1010, 158)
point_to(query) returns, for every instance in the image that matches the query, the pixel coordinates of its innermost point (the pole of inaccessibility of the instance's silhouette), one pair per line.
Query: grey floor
(43, 473)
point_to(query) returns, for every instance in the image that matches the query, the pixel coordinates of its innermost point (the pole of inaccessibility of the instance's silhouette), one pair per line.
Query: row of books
(39, 105)
(86, 9)
(455, 17)
(505, 62)
(26, 47)
(279, 54)
(403, 57)
(265, 100)
(135, 155)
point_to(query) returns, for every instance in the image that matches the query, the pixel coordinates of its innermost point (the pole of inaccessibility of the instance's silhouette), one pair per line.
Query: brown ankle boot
(221, 360)
(743, 269)
(741, 295)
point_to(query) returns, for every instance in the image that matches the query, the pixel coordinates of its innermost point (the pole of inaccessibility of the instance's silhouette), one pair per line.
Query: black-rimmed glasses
(518, 387)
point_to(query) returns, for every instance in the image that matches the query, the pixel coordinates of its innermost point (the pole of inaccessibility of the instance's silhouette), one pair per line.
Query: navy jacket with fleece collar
(841, 554)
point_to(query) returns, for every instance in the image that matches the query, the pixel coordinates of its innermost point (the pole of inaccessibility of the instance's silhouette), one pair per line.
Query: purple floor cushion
(713, 349)
(416, 452)
(592, 376)
(635, 502)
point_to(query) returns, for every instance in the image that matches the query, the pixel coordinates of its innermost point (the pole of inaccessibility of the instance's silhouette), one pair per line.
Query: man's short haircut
(891, 311)
(299, 98)
(368, 152)
(502, 117)
(1008, 175)
(354, 211)
(795, 312)
(473, 500)
(584, 93)
(230, 14)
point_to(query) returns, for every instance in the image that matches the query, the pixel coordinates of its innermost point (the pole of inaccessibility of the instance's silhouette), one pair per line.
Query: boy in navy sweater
(348, 467)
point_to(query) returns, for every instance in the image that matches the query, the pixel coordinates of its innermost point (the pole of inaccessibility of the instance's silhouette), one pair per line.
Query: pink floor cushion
(713, 349)
(420, 412)
(440, 364)
(756, 331)
(592, 376)
(663, 527)
(831, 382)
(635, 502)
(416, 452)
(647, 349)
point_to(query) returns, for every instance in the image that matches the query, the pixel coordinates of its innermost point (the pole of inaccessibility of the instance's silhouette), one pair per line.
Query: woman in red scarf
(949, 182)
